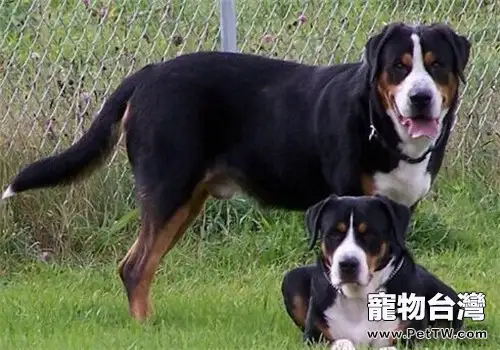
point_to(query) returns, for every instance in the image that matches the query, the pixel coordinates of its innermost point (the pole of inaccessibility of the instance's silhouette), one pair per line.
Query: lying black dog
(362, 252)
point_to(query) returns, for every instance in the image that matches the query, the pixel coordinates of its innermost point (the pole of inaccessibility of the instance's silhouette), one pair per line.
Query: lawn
(224, 292)
(220, 287)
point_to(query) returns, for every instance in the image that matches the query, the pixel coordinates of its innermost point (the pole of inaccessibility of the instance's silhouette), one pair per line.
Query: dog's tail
(86, 154)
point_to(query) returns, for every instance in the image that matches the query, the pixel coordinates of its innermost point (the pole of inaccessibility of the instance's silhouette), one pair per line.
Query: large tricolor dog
(363, 252)
(288, 134)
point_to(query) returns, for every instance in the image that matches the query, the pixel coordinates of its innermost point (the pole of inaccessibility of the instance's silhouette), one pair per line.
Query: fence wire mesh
(59, 60)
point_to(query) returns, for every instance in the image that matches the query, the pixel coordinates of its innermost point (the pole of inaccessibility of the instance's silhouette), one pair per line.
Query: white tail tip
(8, 193)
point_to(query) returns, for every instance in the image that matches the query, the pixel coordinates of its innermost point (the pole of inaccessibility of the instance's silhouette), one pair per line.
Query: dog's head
(359, 236)
(416, 72)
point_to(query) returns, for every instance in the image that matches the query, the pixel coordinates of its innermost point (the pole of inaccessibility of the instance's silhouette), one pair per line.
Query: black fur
(460, 45)
(283, 130)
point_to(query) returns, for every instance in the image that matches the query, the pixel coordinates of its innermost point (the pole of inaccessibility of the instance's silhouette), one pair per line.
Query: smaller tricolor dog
(362, 252)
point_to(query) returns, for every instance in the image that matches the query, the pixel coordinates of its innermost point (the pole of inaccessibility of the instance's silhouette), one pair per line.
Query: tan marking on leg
(127, 256)
(150, 259)
(126, 116)
(299, 310)
(152, 245)
(325, 330)
(401, 327)
(197, 205)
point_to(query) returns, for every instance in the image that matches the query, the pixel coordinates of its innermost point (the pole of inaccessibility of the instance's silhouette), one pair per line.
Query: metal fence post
(228, 25)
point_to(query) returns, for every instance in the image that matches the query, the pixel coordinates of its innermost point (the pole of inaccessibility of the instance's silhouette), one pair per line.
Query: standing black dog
(362, 251)
(288, 134)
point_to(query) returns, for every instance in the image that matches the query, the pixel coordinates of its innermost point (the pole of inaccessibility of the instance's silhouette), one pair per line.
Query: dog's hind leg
(168, 152)
(155, 239)
(295, 290)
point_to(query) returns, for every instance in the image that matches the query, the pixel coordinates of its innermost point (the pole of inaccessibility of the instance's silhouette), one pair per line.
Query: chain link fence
(59, 60)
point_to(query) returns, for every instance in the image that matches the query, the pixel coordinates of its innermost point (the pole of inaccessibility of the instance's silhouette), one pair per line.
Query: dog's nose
(349, 266)
(420, 99)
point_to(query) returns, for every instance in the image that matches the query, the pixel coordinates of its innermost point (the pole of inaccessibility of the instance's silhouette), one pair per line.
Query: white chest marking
(405, 184)
(348, 319)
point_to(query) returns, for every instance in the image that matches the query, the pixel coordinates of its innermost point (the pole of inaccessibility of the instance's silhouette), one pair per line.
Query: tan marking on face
(326, 255)
(407, 60)
(342, 227)
(429, 58)
(386, 91)
(362, 227)
(373, 260)
(449, 90)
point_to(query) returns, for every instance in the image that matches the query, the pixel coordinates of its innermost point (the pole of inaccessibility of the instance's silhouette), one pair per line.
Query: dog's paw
(388, 348)
(343, 344)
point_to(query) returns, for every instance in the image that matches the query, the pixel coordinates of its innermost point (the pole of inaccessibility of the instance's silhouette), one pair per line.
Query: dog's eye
(436, 65)
(337, 234)
(372, 241)
(399, 65)
(400, 69)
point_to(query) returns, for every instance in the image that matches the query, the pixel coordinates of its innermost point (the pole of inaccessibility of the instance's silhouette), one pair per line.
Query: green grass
(224, 292)
(220, 288)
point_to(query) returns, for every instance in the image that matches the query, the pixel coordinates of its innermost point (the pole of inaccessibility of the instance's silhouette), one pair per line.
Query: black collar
(397, 153)
(395, 271)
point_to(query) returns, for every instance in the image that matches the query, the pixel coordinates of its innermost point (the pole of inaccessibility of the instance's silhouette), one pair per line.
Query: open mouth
(419, 126)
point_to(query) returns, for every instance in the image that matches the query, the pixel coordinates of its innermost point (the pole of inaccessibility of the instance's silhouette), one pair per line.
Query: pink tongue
(422, 127)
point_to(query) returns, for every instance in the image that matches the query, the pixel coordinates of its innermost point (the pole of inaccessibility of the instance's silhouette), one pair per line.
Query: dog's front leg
(404, 341)
(343, 344)
(310, 332)
(314, 329)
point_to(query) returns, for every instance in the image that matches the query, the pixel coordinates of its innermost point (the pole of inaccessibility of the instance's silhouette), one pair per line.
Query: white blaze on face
(349, 249)
(408, 128)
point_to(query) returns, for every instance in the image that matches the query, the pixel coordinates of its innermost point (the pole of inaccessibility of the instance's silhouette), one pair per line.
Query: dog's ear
(374, 47)
(461, 47)
(313, 220)
(400, 216)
